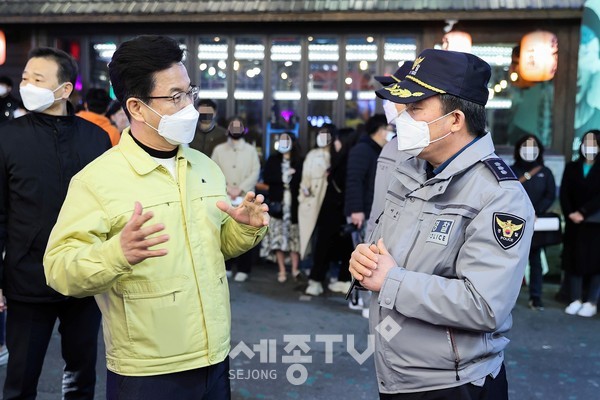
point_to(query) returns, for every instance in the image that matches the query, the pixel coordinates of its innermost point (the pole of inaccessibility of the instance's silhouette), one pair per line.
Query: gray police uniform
(385, 164)
(461, 240)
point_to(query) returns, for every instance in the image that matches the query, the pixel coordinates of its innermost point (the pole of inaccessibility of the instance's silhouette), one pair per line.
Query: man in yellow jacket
(146, 229)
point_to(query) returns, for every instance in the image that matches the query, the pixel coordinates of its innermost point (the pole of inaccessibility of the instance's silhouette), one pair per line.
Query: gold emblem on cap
(402, 93)
(418, 61)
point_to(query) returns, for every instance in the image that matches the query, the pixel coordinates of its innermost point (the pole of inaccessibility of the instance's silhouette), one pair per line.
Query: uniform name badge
(440, 233)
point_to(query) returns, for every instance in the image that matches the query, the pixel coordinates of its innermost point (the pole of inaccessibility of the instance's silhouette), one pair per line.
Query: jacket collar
(141, 161)
(412, 172)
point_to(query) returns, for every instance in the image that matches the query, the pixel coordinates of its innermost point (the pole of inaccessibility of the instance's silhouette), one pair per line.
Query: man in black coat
(362, 165)
(39, 154)
(360, 177)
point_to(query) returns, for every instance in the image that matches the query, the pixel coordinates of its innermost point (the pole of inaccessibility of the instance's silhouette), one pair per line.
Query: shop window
(359, 82)
(249, 71)
(285, 83)
(212, 73)
(323, 80)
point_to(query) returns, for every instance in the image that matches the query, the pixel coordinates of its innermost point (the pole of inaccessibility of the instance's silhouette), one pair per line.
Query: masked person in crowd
(95, 106)
(8, 103)
(282, 173)
(39, 153)
(447, 265)
(580, 203)
(158, 275)
(240, 164)
(538, 181)
(208, 133)
(333, 242)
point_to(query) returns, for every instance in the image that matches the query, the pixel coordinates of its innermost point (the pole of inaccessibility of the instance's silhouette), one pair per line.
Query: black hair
(206, 103)
(97, 100)
(67, 66)
(6, 81)
(596, 133)
(113, 108)
(135, 62)
(519, 143)
(331, 128)
(475, 117)
(375, 123)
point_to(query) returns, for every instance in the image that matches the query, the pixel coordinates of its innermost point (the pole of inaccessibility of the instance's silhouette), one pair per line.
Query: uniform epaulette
(501, 171)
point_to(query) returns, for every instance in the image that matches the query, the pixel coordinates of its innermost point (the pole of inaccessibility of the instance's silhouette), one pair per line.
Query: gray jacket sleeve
(488, 277)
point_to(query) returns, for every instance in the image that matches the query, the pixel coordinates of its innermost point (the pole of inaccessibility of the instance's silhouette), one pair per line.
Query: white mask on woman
(589, 152)
(529, 153)
(414, 136)
(323, 139)
(37, 99)
(178, 128)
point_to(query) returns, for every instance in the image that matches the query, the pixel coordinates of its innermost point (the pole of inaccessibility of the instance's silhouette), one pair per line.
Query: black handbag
(547, 230)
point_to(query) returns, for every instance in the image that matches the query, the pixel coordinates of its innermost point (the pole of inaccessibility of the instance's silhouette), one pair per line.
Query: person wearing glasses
(147, 228)
(39, 153)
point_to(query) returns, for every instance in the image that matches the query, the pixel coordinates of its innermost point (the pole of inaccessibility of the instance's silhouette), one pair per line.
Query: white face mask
(529, 153)
(323, 139)
(589, 152)
(391, 113)
(3, 90)
(284, 145)
(178, 128)
(37, 99)
(389, 135)
(414, 136)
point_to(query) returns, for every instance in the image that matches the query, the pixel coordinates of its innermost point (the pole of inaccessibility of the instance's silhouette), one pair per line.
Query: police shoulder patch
(501, 171)
(508, 229)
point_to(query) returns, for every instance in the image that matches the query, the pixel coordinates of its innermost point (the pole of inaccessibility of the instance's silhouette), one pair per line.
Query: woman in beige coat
(313, 186)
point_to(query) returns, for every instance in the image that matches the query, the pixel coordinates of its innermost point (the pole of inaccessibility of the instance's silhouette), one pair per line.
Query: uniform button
(388, 300)
(382, 383)
(234, 166)
(440, 189)
(412, 199)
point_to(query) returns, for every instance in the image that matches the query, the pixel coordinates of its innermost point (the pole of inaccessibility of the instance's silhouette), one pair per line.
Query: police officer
(451, 245)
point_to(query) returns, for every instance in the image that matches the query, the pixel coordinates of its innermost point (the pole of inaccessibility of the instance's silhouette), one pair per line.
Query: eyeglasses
(192, 94)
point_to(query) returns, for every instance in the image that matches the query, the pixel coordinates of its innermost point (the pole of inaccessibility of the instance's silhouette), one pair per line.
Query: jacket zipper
(454, 351)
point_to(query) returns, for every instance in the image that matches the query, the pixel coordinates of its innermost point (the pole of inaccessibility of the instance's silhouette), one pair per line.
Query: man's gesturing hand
(134, 237)
(253, 211)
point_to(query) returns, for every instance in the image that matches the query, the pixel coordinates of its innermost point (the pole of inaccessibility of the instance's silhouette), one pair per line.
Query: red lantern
(2, 48)
(539, 56)
(457, 41)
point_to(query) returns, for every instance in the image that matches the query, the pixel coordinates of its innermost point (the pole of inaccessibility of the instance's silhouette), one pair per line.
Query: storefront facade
(293, 65)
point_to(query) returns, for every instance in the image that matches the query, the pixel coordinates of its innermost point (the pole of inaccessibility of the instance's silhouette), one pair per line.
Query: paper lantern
(457, 41)
(514, 71)
(2, 48)
(539, 56)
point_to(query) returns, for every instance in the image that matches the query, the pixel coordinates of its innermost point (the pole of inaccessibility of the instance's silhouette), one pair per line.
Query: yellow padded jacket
(165, 314)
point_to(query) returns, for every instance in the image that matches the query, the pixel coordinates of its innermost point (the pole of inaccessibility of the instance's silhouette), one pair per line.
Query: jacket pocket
(159, 320)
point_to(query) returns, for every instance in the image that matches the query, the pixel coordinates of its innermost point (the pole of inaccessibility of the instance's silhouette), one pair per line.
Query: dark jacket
(39, 154)
(579, 193)
(360, 176)
(8, 106)
(272, 177)
(205, 142)
(541, 188)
